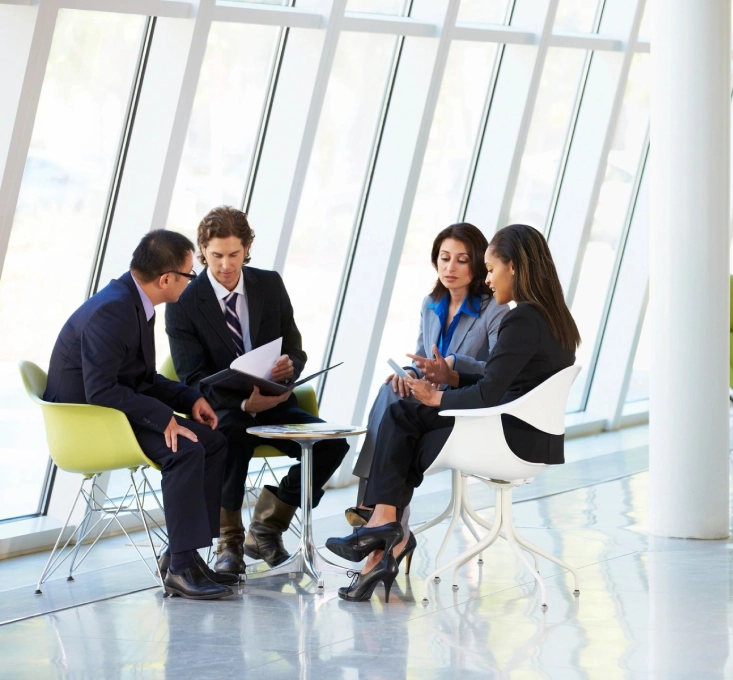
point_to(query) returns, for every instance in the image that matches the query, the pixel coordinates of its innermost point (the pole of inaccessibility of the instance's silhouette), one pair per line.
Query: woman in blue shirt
(536, 340)
(459, 320)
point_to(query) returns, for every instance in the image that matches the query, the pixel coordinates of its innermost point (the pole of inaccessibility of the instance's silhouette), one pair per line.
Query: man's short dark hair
(158, 252)
(223, 222)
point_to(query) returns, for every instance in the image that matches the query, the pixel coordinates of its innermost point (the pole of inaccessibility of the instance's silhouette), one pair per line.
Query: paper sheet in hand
(260, 361)
(243, 375)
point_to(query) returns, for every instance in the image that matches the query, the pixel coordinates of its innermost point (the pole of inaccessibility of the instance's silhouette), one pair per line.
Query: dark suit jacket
(105, 356)
(201, 343)
(525, 355)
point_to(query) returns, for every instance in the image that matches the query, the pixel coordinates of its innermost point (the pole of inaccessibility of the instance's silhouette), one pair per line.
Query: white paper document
(259, 362)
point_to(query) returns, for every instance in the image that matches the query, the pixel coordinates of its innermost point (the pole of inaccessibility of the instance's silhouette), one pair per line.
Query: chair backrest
(84, 438)
(477, 444)
(34, 380)
(168, 370)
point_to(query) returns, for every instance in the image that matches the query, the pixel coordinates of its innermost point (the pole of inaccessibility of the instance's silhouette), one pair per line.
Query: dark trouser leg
(191, 483)
(327, 455)
(361, 491)
(409, 440)
(233, 425)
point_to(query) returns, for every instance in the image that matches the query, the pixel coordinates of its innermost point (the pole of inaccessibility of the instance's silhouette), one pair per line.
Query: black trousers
(410, 438)
(191, 482)
(327, 455)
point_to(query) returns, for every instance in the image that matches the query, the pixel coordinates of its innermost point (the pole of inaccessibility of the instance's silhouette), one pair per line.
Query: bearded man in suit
(105, 355)
(231, 309)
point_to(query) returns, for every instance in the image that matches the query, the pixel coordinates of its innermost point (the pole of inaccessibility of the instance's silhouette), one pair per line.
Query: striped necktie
(230, 315)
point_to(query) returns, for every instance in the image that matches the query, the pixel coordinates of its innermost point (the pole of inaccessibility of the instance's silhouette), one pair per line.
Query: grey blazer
(472, 343)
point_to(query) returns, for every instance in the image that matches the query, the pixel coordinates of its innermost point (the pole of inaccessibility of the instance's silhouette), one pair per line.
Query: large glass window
(376, 6)
(639, 382)
(482, 11)
(547, 136)
(575, 16)
(225, 122)
(333, 186)
(440, 191)
(609, 218)
(54, 234)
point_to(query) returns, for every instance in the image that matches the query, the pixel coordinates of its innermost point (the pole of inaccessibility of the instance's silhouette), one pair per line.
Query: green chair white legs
(90, 440)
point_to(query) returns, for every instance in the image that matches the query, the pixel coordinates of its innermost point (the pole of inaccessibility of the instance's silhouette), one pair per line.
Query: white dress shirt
(242, 310)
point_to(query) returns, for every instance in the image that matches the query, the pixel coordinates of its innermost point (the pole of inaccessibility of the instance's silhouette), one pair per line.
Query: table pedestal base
(306, 559)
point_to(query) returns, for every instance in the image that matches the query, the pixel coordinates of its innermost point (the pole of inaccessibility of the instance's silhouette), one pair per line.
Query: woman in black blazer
(536, 339)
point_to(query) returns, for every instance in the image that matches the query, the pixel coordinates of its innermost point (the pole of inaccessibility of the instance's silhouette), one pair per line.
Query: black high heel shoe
(407, 552)
(363, 585)
(365, 540)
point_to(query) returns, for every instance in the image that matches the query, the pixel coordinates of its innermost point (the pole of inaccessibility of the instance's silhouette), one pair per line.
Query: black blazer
(201, 343)
(525, 355)
(105, 355)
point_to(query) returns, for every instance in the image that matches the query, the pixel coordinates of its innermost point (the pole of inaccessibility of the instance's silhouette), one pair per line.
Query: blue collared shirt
(440, 308)
(148, 306)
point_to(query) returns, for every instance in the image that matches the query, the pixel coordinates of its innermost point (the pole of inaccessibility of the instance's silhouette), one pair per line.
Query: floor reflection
(648, 607)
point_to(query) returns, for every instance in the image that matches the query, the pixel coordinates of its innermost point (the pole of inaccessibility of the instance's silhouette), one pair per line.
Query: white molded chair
(477, 447)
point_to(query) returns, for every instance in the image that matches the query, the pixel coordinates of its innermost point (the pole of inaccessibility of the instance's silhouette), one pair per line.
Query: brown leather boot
(229, 557)
(271, 517)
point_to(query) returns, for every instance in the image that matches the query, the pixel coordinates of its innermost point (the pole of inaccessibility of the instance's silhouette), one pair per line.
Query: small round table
(306, 559)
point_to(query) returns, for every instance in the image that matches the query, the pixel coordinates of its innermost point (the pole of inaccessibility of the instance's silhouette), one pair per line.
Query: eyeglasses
(190, 277)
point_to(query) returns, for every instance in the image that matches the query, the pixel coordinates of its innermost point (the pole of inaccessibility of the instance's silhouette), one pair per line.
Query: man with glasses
(105, 355)
(229, 310)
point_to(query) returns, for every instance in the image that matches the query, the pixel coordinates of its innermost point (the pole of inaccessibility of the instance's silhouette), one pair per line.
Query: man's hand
(439, 370)
(424, 391)
(203, 413)
(173, 431)
(398, 384)
(282, 370)
(257, 402)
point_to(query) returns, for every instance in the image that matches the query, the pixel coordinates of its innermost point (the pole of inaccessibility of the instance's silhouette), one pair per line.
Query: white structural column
(688, 293)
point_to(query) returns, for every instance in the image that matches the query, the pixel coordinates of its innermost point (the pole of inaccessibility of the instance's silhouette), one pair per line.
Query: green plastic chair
(90, 440)
(306, 396)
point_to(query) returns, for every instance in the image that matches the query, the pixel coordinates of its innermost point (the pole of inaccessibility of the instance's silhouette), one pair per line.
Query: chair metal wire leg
(83, 530)
(147, 530)
(46, 570)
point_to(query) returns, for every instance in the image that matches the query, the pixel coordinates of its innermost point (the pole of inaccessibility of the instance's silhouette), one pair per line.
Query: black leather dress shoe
(365, 540)
(193, 584)
(227, 579)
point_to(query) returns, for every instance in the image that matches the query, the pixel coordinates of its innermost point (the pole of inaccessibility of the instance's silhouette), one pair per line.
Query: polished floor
(648, 608)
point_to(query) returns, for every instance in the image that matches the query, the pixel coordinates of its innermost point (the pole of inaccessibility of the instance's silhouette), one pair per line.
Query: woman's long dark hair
(476, 245)
(535, 278)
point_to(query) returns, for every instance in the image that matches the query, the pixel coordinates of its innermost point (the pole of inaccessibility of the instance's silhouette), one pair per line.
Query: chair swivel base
(504, 524)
